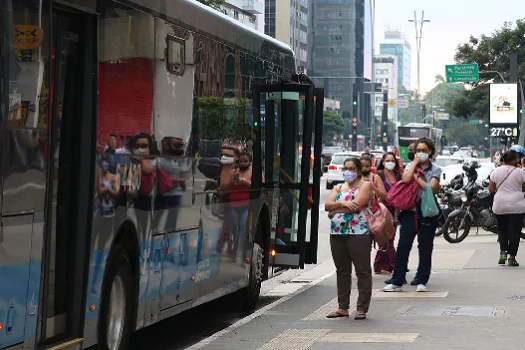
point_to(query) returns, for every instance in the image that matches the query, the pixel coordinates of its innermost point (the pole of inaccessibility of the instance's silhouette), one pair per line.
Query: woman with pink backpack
(405, 196)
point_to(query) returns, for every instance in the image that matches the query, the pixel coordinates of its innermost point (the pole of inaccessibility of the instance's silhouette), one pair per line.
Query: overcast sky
(452, 23)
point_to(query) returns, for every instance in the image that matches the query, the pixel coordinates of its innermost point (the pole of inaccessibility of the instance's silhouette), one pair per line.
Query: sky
(452, 23)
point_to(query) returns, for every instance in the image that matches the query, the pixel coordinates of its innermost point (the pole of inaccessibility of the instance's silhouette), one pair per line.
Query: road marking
(256, 314)
(295, 339)
(369, 338)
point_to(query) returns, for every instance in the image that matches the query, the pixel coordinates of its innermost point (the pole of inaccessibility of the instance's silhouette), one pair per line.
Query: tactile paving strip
(295, 339)
(332, 305)
(370, 338)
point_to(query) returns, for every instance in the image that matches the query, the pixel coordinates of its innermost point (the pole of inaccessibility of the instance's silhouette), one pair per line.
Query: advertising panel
(503, 104)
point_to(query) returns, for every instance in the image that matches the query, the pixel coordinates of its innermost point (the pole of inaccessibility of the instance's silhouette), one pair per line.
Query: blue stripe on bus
(195, 261)
(19, 299)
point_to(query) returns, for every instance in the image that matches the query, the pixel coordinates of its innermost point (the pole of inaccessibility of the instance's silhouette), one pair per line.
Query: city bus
(406, 134)
(127, 195)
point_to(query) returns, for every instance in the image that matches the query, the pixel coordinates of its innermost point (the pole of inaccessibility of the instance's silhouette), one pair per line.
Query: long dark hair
(381, 166)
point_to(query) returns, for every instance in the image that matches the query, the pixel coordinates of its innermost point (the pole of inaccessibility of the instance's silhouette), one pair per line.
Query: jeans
(509, 232)
(239, 221)
(425, 230)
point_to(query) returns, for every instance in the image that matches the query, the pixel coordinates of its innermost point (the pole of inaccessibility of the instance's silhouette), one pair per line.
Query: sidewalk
(472, 303)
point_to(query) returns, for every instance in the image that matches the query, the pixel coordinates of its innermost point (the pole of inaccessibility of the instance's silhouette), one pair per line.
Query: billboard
(503, 104)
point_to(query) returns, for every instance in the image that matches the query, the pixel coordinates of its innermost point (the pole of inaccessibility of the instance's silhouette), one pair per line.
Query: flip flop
(335, 314)
(360, 316)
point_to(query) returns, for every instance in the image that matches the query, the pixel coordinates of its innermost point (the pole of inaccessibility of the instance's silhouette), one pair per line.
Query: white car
(449, 172)
(443, 161)
(335, 169)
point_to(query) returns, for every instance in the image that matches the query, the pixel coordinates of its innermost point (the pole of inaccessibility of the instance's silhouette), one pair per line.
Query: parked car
(327, 154)
(443, 161)
(450, 171)
(335, 169)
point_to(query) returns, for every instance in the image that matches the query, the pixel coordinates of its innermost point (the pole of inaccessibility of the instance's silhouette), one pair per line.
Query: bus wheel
(252, 292)
(116, 307)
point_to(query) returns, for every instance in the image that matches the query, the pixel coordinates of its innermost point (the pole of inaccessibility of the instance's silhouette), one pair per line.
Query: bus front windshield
(415, 133)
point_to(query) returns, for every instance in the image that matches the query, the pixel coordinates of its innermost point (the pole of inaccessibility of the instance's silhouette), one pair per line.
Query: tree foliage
(333, 124)
(443, 94)
(462, 133)
(216, 4)
(491, 53)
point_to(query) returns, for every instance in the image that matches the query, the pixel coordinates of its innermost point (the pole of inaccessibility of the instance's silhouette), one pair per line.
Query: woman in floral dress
(350, 239)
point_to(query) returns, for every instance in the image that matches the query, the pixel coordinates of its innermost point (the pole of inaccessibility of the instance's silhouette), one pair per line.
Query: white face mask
(390, 165)
(423, 157)
(227, 160)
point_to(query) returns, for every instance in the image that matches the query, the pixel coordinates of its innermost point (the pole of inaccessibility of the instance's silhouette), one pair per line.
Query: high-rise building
(248, 12)
(386, 74)
(287, 21)
(396, 44)
(340, 52)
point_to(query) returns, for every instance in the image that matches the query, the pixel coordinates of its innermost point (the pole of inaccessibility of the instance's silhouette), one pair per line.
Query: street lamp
(419, 35)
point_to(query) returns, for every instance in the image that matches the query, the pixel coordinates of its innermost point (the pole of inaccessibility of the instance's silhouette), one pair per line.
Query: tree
(216, 4)
(462, 133)
(333, 124)
(443, 95)
(491, 53)
(439, 79)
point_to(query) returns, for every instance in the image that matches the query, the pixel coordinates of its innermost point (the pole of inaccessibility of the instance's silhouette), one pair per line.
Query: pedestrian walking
(414, 223)
(389, 173)
(509, 205)
(350, 240)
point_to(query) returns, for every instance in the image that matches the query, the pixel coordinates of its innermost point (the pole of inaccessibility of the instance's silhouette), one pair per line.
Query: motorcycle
(476, 209)
(449, 199)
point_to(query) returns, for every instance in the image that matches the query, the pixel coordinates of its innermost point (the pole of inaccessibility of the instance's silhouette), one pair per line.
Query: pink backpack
(380, 223)
(404, 196)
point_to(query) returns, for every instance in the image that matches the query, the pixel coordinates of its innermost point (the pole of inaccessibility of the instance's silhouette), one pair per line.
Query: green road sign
(474, 121)
(462, 73)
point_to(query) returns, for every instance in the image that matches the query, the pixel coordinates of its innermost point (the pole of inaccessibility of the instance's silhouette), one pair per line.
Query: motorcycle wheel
(452, 231)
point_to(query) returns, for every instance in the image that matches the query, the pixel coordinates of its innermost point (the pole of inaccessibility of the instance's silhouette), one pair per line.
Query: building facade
(395, 44)
(248, 12)
(287, 21)
(386, 72)
(340, 54)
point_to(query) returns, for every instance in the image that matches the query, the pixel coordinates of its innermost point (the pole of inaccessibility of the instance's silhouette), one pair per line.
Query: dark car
(327, 154)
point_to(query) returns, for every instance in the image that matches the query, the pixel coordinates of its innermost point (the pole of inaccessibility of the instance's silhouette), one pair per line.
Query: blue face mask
(105, 165)
(350, 176)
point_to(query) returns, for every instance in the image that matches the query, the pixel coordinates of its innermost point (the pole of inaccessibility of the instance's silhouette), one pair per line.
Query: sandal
(360, 315)
(336, 314)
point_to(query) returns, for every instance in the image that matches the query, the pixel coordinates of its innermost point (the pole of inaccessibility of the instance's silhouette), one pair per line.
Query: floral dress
(349, 224)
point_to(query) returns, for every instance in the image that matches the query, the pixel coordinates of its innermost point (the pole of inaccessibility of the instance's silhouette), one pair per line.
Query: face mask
(411, 155)
(243, 168)
(350, 176)
(390, 165)
(139, 151)
(105, 165)
(227, 160)
(176, 152)
(365, 173)
(423, 157)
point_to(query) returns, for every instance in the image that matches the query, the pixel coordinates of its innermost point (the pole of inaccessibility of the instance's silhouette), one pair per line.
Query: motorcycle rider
(509, 205)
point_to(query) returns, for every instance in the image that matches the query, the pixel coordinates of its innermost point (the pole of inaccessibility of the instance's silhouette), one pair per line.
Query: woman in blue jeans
(413, 223)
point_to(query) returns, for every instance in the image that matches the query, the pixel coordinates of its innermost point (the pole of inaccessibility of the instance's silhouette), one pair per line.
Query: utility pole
(419, 35)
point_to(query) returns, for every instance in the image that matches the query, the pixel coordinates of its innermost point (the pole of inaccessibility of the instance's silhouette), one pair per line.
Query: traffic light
(354, 99)
(486, 125)
(424, 110)
(384, 133)
(255, 123)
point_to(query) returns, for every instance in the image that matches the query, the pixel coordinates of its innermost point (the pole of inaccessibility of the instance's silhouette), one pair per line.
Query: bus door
(69, 197)
(286, 115)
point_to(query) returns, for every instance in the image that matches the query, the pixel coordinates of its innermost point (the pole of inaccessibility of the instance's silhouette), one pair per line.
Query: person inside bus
(413, 223)
(350, 239)
(141, 157)
(390, 172)
(239, 202)
(411, 151)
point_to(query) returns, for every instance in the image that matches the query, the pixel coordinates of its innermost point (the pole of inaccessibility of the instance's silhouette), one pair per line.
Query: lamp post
(419, 35)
